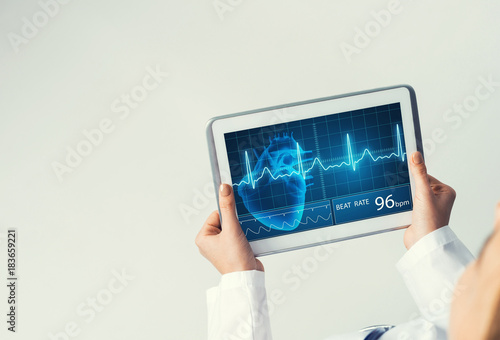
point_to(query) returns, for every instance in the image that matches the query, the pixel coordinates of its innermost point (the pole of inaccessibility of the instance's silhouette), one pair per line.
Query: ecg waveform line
(288, 212)
(300, 171)
(294, 224)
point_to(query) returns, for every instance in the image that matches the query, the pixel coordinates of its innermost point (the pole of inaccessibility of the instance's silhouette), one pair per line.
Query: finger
(228, 208)
(433, 180)
(436, 185)
(439, 187)
(419, 172)
(211, 225)
(213, 219)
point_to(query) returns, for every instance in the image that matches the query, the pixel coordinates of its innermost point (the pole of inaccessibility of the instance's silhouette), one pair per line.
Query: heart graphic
(277, 174)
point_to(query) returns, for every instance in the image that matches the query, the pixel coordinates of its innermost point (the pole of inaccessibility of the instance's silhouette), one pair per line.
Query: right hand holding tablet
(432, 204)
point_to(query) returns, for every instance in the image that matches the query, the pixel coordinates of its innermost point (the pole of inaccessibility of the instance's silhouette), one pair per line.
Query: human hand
(432, 204)
(226, 247)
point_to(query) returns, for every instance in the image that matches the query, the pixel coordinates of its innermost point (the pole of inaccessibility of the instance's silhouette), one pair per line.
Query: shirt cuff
(424, 246)
(247, 278)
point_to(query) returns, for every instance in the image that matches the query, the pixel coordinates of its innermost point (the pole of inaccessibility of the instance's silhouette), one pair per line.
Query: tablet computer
(321, 170)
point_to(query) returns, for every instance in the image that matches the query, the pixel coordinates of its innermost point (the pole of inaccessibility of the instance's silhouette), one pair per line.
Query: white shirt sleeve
(430, 270)
(237, 307)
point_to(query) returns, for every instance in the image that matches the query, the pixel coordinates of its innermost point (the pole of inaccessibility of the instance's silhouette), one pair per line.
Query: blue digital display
(319, 172)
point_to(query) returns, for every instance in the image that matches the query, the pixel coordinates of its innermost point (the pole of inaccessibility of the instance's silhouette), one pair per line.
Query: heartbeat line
(294, 224)
(303, 172)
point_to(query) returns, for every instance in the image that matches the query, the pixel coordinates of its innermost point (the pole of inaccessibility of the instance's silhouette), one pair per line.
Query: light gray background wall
(120, 209)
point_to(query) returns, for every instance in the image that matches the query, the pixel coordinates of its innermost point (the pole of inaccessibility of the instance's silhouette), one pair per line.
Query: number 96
(389, 202)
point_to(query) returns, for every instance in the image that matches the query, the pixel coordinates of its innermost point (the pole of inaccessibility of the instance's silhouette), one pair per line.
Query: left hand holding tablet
(226, 246)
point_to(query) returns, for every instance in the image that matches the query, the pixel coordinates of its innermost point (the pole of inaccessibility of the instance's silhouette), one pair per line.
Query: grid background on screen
(323, 139)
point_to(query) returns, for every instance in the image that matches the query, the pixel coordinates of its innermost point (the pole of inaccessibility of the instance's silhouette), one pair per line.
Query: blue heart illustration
(278, 174)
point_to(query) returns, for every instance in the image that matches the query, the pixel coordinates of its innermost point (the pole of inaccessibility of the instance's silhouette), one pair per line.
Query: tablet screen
(319, 172)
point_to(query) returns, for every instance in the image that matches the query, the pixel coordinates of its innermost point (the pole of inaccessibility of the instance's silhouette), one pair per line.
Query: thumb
(419, 172)
(228, 208)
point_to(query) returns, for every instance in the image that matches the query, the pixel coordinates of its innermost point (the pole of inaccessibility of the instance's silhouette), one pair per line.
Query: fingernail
(225, 190)
(417, 158)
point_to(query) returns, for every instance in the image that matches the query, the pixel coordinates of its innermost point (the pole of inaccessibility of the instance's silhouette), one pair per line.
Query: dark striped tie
(377, 333)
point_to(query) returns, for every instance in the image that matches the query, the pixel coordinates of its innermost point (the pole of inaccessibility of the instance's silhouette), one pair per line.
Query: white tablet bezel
(218, 126)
